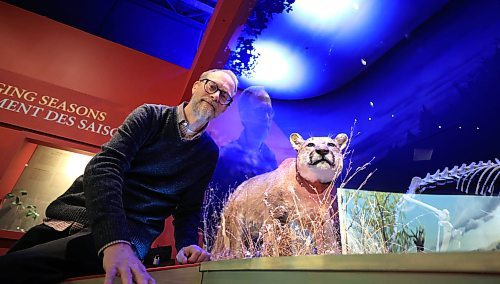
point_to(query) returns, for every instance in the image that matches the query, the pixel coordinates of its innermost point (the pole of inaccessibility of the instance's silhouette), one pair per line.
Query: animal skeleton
(484, 174)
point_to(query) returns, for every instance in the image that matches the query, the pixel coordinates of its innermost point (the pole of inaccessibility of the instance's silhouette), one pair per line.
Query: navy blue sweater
(144, 174)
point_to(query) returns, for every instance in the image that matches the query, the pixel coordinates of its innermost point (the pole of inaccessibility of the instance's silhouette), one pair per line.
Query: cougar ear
(341, 139)
(296, 140)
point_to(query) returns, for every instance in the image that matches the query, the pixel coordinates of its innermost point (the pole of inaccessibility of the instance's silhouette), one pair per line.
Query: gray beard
(202, 111)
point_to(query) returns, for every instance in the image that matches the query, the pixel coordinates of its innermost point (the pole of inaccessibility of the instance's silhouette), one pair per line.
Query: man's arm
(103, 182)
(103, 177)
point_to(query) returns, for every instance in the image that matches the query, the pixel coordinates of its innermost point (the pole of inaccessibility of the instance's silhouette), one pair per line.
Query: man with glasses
(242, 158)
(157, 164)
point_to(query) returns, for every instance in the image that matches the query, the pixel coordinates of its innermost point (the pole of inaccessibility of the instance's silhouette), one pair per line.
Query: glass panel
(382, 222)
(414, 87)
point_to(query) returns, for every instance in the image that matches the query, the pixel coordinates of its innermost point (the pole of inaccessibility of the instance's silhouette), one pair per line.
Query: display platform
(477, 267)
(418, 268)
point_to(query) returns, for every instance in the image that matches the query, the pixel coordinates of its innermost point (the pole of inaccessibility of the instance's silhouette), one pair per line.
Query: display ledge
(456, 268)
(7, 239)
(473, 267)
(11, 235)
(178, 274)
(463, 262)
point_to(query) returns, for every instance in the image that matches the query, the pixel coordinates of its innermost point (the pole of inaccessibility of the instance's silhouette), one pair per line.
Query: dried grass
(276, 218)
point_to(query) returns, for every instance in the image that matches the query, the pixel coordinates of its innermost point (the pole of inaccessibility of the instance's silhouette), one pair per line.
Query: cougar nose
(322, 152)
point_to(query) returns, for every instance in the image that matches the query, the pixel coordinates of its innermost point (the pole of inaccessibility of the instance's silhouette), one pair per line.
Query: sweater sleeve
(103, 177)
(187, 214)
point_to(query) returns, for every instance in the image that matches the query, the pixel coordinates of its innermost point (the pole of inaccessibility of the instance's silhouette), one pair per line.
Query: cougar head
(319, 159)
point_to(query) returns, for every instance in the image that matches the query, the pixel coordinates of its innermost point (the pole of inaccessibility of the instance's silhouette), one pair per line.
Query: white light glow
(323, 13)
(277, 67)
(75, 165)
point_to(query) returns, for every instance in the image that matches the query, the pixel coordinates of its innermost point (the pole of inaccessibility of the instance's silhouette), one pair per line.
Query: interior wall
(431, 102)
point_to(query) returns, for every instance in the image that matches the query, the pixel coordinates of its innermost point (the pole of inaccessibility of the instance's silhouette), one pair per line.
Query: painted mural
(381, 222)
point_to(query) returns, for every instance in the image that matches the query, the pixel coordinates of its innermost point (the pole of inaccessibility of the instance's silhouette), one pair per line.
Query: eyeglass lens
(212, 87)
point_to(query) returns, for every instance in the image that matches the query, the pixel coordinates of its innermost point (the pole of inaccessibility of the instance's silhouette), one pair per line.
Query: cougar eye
(310, 145)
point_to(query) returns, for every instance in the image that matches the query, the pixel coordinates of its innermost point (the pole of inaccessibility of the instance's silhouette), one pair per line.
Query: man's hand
(120, 260)
(192, 254)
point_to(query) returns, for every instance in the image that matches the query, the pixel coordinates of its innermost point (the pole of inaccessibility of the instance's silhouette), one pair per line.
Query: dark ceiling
(167, 29)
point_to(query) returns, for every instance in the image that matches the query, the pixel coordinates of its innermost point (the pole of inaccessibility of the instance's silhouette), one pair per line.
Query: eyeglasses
(211, 88)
